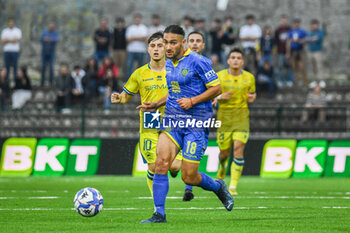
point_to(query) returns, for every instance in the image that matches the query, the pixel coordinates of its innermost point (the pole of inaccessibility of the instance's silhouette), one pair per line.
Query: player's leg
(148, 149)
(236, 165)
(224, 141)
(195, 144)
(176, 165)
(167, 149)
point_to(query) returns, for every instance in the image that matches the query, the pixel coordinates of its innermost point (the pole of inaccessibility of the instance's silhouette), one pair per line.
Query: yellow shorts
(225, 139)
(148, 147)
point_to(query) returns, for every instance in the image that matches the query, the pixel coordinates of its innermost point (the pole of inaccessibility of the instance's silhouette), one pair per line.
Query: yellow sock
(222, 169)
(236, 171)
(150, 181)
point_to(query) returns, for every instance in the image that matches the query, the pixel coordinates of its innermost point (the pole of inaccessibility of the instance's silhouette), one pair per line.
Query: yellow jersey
(151, 85)
(234, 111)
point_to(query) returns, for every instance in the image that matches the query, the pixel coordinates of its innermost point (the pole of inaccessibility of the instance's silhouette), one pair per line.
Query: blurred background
(70, 55)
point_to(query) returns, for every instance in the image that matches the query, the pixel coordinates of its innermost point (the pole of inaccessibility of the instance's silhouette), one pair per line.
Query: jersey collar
(228, 71)
(187, 52)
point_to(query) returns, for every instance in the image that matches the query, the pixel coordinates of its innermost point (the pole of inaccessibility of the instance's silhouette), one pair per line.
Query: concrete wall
(77, 20)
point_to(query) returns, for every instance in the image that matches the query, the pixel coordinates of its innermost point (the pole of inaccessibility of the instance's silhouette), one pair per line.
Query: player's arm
(209, 94)
(251, 97)
(121, 98)
(152, 106)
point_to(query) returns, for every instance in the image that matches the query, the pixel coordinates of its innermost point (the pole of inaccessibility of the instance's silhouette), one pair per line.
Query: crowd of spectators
(275, 56)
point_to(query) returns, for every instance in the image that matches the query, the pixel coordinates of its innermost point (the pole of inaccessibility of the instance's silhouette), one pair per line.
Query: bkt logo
(151, 120)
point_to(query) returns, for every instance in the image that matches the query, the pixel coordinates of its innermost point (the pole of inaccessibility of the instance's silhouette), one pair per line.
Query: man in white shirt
(10, 38)
(250, 35)
(156, 26)
(136, 36)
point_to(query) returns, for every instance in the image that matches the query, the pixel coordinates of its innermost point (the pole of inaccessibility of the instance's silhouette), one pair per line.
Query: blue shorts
(193, 143)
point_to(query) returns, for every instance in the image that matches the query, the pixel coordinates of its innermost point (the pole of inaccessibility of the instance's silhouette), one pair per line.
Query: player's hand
(214, 102)
(226, 95)
(185, 103)
(251, 97)
(115, 98)
(147, 106)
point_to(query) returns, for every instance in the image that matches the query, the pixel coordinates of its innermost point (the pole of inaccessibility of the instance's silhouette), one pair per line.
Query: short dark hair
(155, 16)
(236, 50)
(155, 36)
(315, 21)
(176, 29)
(120, 20)
(76, 67)
(250, 16)
(196, 32)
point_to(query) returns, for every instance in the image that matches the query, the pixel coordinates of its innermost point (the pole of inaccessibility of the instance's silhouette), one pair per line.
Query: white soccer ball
(88, 202)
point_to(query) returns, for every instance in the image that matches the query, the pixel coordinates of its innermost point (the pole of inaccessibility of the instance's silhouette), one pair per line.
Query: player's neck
(183, 51)
(157, 66)
(235, 72)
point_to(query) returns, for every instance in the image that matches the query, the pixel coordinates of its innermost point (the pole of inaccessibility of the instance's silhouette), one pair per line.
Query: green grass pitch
(36, 204)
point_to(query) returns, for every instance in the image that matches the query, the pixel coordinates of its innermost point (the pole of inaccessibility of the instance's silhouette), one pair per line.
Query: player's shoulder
(199, 59)
(140, 71)
(247, 73)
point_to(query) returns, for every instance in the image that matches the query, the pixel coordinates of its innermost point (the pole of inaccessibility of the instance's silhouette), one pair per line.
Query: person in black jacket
(4, 89)
(119, 45)
(63, 88)
(23, 89)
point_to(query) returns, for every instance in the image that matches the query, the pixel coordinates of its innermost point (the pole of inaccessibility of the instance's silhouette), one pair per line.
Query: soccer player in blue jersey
(195, 42)
(192, 83)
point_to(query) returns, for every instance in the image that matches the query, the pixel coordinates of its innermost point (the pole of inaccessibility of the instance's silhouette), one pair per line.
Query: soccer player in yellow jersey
(238, 88)
(150, 81)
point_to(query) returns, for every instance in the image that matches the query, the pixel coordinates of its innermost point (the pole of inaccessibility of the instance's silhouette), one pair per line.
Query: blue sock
(188, 187)
(160, 191)
(208, 183)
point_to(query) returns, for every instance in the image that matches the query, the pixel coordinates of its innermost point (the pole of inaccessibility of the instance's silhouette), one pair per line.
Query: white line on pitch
(28, 198)
(190, 208)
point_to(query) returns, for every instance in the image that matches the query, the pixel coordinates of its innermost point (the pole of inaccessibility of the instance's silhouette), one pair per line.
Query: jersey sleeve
(252, 88)
(206, 72)
(132, 86)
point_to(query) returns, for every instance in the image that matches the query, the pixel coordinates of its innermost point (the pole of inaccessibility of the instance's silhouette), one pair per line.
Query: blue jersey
(189, 76)
(297, 34)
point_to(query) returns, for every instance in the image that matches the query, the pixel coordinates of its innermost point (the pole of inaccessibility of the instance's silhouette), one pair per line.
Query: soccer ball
(88, 202)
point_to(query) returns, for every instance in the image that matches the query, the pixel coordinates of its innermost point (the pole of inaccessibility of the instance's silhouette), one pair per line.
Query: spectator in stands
(108, 64)
(109, 84)
(216, 34)
(295, 45)
(48, 40)
(283, 65)
(63, 85)
(315, 40)
(266, 77)
(187, 25)
(200, 27)
(10, 38)
(102, 38)
(91, 70)
(217, 66)
(315, 103)
(266, 46)
(119, 45)
(23, 89)
(230, 34)
(250, 35)
(136, 36)
(156, 26)
(4, 89)
(78, 85)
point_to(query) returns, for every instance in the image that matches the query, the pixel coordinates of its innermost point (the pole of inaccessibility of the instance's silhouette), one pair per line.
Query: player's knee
(224, 154)
(187, 179)
(162, 166)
